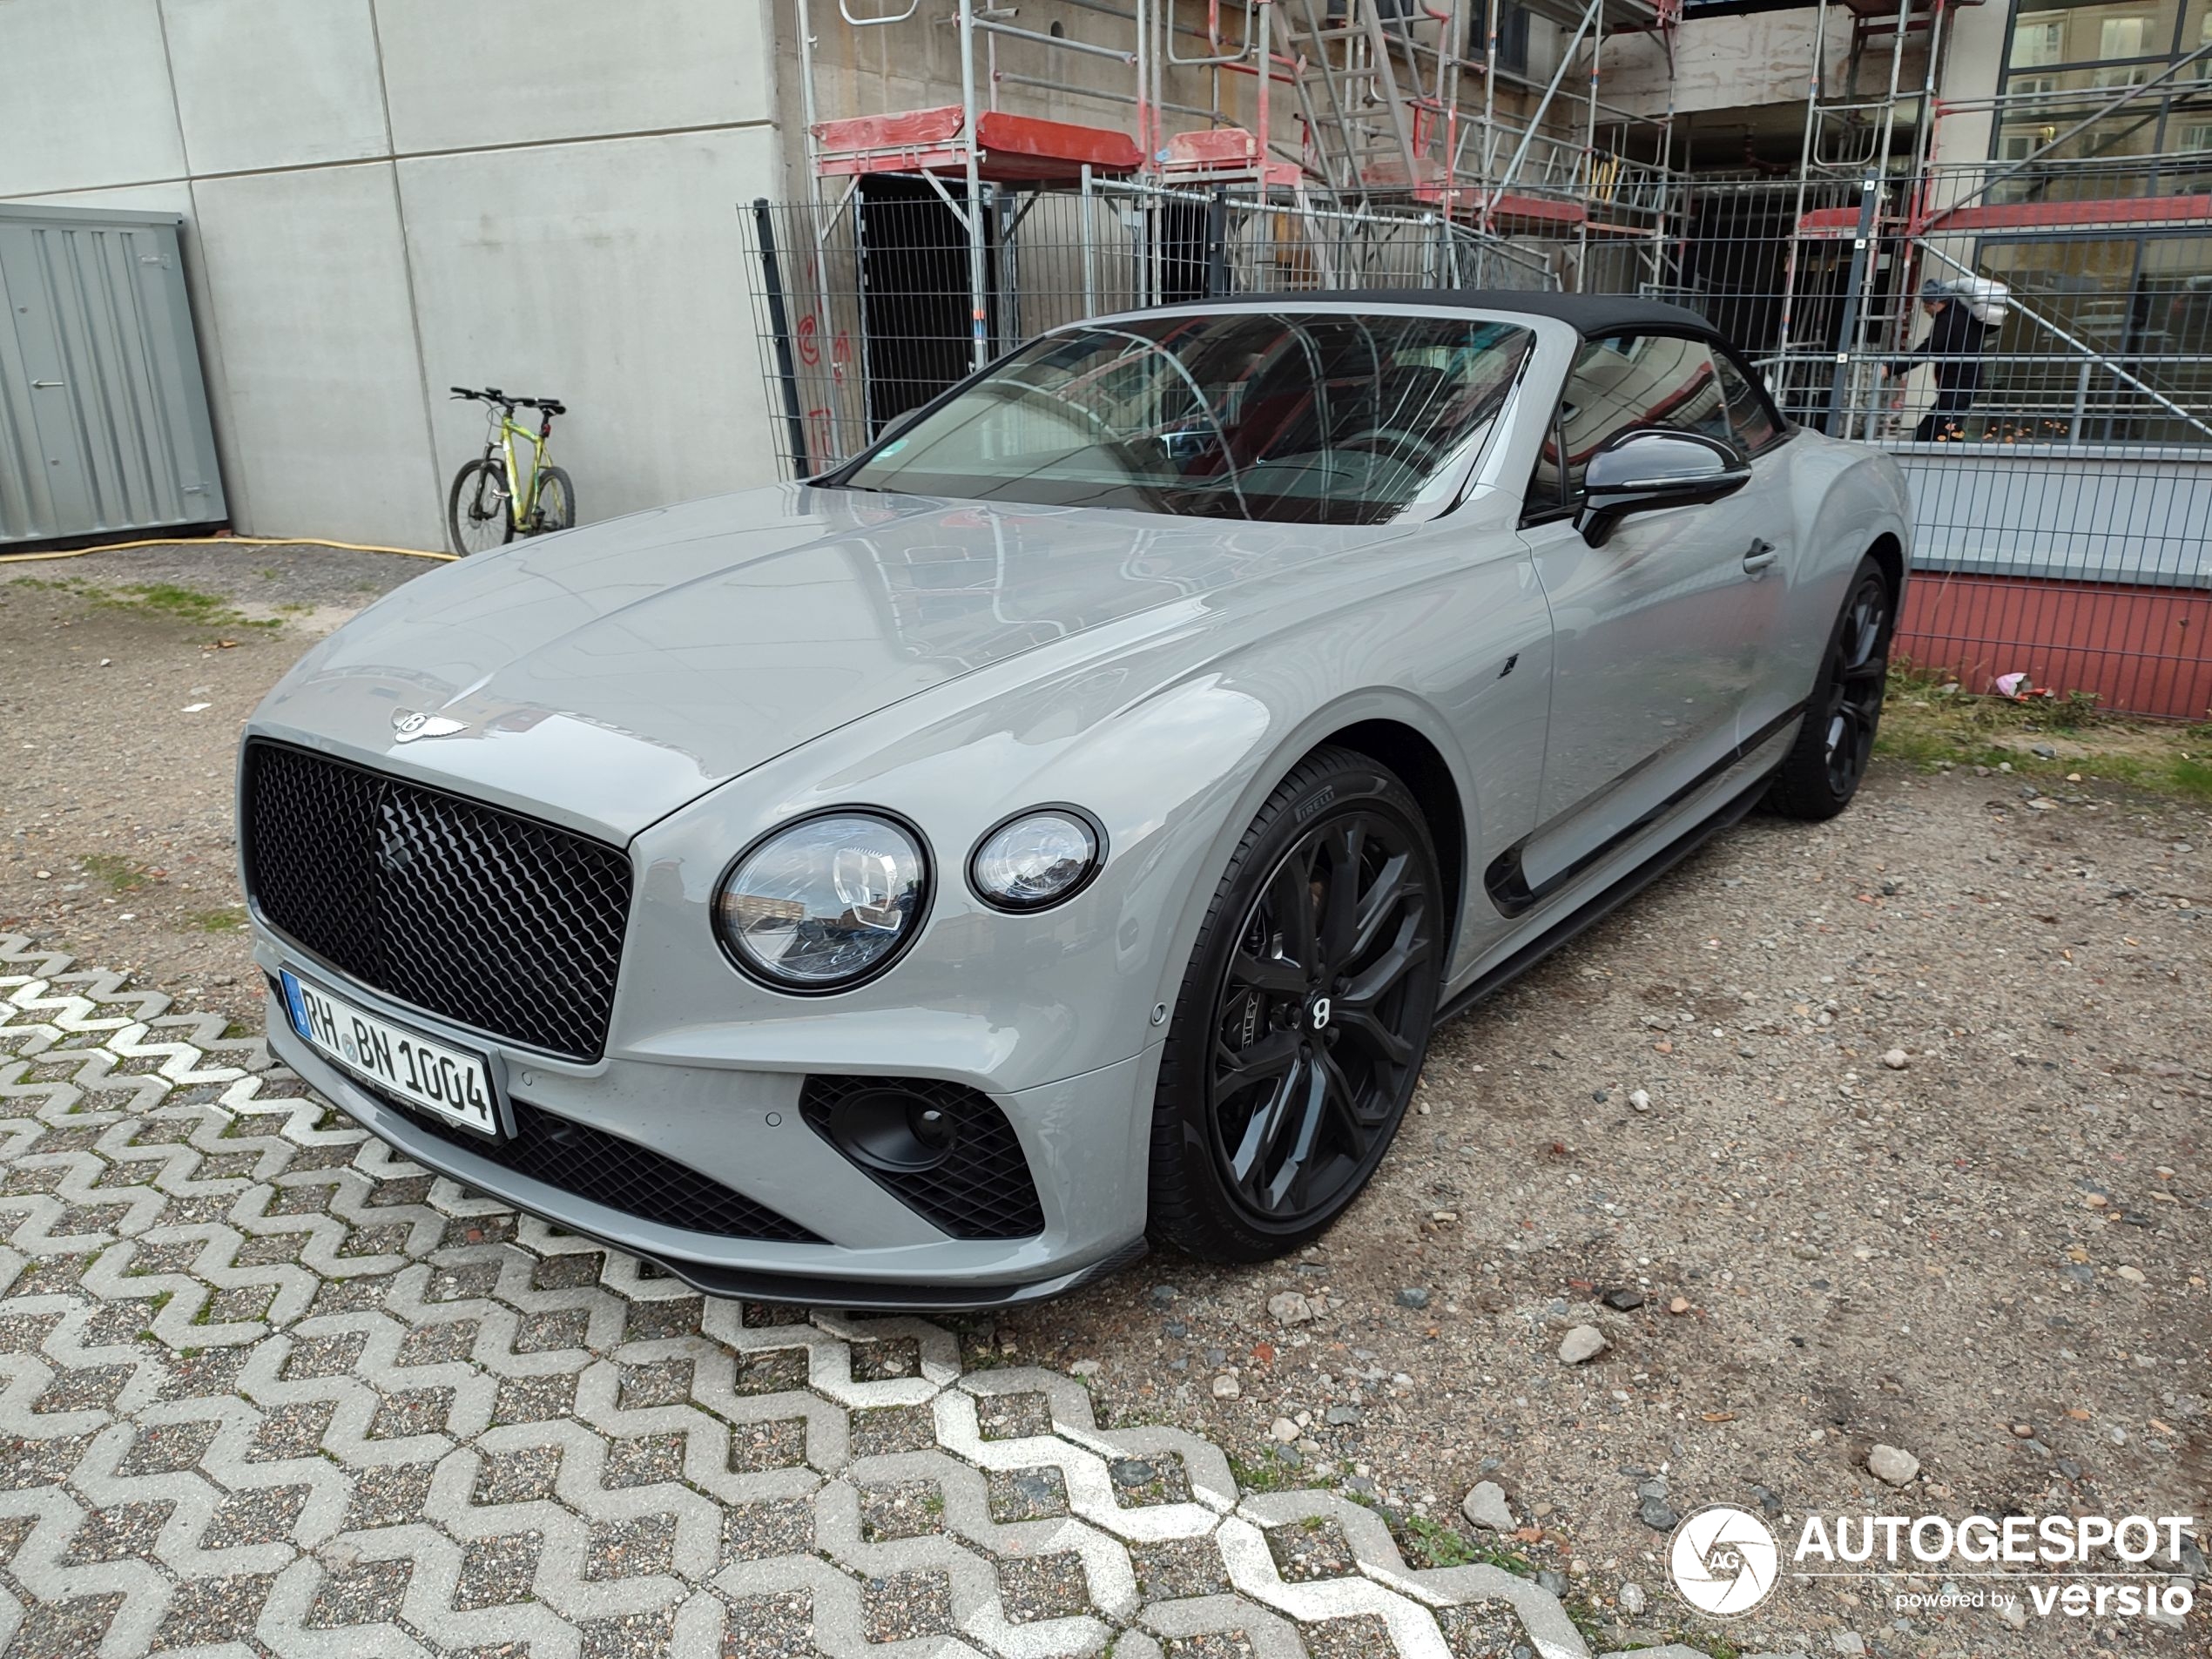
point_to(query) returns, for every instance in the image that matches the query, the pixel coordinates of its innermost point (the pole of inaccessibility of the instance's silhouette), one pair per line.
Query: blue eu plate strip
(292, 1001)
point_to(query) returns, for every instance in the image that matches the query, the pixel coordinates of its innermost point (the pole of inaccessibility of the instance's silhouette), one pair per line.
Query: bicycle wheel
(476, 513)
(556, 508)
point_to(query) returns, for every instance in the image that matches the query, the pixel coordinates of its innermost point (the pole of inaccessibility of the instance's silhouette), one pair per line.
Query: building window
(2121, 38)
(2082, 309)
(2035, 44)
(2067, 58)
(2049, 33)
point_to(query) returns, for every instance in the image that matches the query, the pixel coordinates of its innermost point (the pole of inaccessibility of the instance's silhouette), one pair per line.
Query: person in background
(1953, 345)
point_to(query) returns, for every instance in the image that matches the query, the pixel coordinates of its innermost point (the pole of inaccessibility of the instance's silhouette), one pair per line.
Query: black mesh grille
(609, 1170)
(483, 916)
(982, 1190)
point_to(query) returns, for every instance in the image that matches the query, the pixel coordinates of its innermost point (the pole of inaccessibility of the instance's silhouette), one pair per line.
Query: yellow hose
(225, 541)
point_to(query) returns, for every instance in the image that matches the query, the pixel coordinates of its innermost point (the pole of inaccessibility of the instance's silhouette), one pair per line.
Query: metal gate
(104, 424)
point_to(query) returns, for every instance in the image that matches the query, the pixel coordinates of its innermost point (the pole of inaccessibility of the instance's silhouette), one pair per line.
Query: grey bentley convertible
(1067, 820)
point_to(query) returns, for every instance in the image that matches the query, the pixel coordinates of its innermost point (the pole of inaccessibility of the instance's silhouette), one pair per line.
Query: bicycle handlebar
(493, 395)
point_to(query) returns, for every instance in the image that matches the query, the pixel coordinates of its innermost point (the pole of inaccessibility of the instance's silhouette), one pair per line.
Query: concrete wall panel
(84, 96)
(516, 72)
(266, 84)
(1722, 64)
(611, 275)
(308, 278)
(1971, 67)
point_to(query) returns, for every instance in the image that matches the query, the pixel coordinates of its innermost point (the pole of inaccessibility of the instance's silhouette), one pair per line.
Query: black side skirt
(1508, 884)
(1604, 904)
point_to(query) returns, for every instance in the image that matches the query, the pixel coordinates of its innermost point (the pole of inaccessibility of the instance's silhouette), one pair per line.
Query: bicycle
(493, 498)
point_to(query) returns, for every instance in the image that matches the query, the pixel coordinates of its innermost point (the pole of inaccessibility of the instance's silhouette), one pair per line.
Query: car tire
(1303, 1017)
(1825, 766)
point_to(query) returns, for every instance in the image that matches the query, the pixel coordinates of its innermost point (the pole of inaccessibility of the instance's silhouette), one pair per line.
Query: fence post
(1090, 247)
(771, 278)
(1869, 197)
(1218, 243)
(1007, 299)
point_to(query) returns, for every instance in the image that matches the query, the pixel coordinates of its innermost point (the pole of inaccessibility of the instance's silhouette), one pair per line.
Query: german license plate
(445, 1081)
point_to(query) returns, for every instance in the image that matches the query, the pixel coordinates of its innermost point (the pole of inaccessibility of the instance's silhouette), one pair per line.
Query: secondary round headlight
(1036, 859)
(824, 903)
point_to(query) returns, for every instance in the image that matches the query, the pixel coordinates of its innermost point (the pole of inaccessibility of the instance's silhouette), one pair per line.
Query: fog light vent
(944, 1150)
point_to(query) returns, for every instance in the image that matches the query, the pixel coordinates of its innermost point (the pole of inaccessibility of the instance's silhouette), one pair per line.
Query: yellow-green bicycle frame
(511, 485)
(522, 493)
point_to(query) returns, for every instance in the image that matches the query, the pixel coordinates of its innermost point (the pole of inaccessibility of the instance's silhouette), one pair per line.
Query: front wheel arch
(1421, 768)
(1384, 725)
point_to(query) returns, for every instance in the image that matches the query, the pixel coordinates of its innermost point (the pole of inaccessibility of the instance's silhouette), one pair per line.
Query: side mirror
(1646, 468)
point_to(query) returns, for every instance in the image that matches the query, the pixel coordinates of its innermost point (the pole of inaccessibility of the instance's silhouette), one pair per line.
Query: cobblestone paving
(267, 1388)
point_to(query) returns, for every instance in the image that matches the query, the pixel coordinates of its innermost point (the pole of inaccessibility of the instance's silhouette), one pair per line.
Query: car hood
(611, 674)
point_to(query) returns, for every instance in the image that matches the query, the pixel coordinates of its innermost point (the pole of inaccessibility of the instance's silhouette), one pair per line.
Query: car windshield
(1308, 419)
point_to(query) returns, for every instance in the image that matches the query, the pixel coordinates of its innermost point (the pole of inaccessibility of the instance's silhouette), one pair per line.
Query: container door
(104, 424)
(46, 461)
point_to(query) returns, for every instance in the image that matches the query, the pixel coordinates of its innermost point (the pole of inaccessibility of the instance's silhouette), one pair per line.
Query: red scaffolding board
(2115, 212)
(1009, 148)
(1221, 153)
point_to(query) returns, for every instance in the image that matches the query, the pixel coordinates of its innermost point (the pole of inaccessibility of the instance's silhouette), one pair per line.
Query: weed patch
(124, 875)
(1928, 722)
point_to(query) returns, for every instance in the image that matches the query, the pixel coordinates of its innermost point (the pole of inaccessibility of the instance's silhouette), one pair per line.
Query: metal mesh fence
(2053, 417)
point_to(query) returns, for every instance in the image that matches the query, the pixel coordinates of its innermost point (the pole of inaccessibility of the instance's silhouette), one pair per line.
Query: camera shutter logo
(1724, 1561)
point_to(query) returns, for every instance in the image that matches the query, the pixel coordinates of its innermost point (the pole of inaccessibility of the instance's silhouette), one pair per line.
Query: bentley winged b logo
(409, 724)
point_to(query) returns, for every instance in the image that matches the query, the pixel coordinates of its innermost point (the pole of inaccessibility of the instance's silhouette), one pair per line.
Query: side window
(1620, 382)
(1545, 493)
(1629, 380)
(1748, 411)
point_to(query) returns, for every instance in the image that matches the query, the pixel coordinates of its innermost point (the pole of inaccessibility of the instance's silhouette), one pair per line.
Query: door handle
(1759, 554)
(40, 386)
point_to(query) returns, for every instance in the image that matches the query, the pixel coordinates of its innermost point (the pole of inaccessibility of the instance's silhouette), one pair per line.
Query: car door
(1779, 673)
(1656, 634)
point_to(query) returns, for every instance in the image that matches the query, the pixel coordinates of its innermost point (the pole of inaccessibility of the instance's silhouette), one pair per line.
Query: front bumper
(1084, 1138)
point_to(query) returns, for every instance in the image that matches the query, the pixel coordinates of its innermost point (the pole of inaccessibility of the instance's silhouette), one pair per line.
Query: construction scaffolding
(1878, 217)
(1334, 105)
(1253, 146)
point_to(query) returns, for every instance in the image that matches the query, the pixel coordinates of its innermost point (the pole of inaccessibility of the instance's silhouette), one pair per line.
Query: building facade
(382, 199)
(385, 198)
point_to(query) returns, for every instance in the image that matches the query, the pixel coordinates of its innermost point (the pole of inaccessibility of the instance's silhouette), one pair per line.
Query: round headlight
(824, 903)
(1036, 859)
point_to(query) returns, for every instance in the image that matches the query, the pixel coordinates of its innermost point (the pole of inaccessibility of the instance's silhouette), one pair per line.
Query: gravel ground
(1919, 1159)
(124, 680)
(1890, 1130)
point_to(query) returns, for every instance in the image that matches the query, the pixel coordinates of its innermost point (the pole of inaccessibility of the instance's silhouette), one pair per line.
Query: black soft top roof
(1591, 313)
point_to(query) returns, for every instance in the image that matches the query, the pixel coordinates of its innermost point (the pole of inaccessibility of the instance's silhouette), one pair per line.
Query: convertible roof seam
(1591, 315)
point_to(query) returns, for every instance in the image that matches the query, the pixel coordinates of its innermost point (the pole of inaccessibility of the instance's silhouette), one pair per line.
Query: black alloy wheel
(1302, 1026)
(1856, 681)
(1828, 762)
